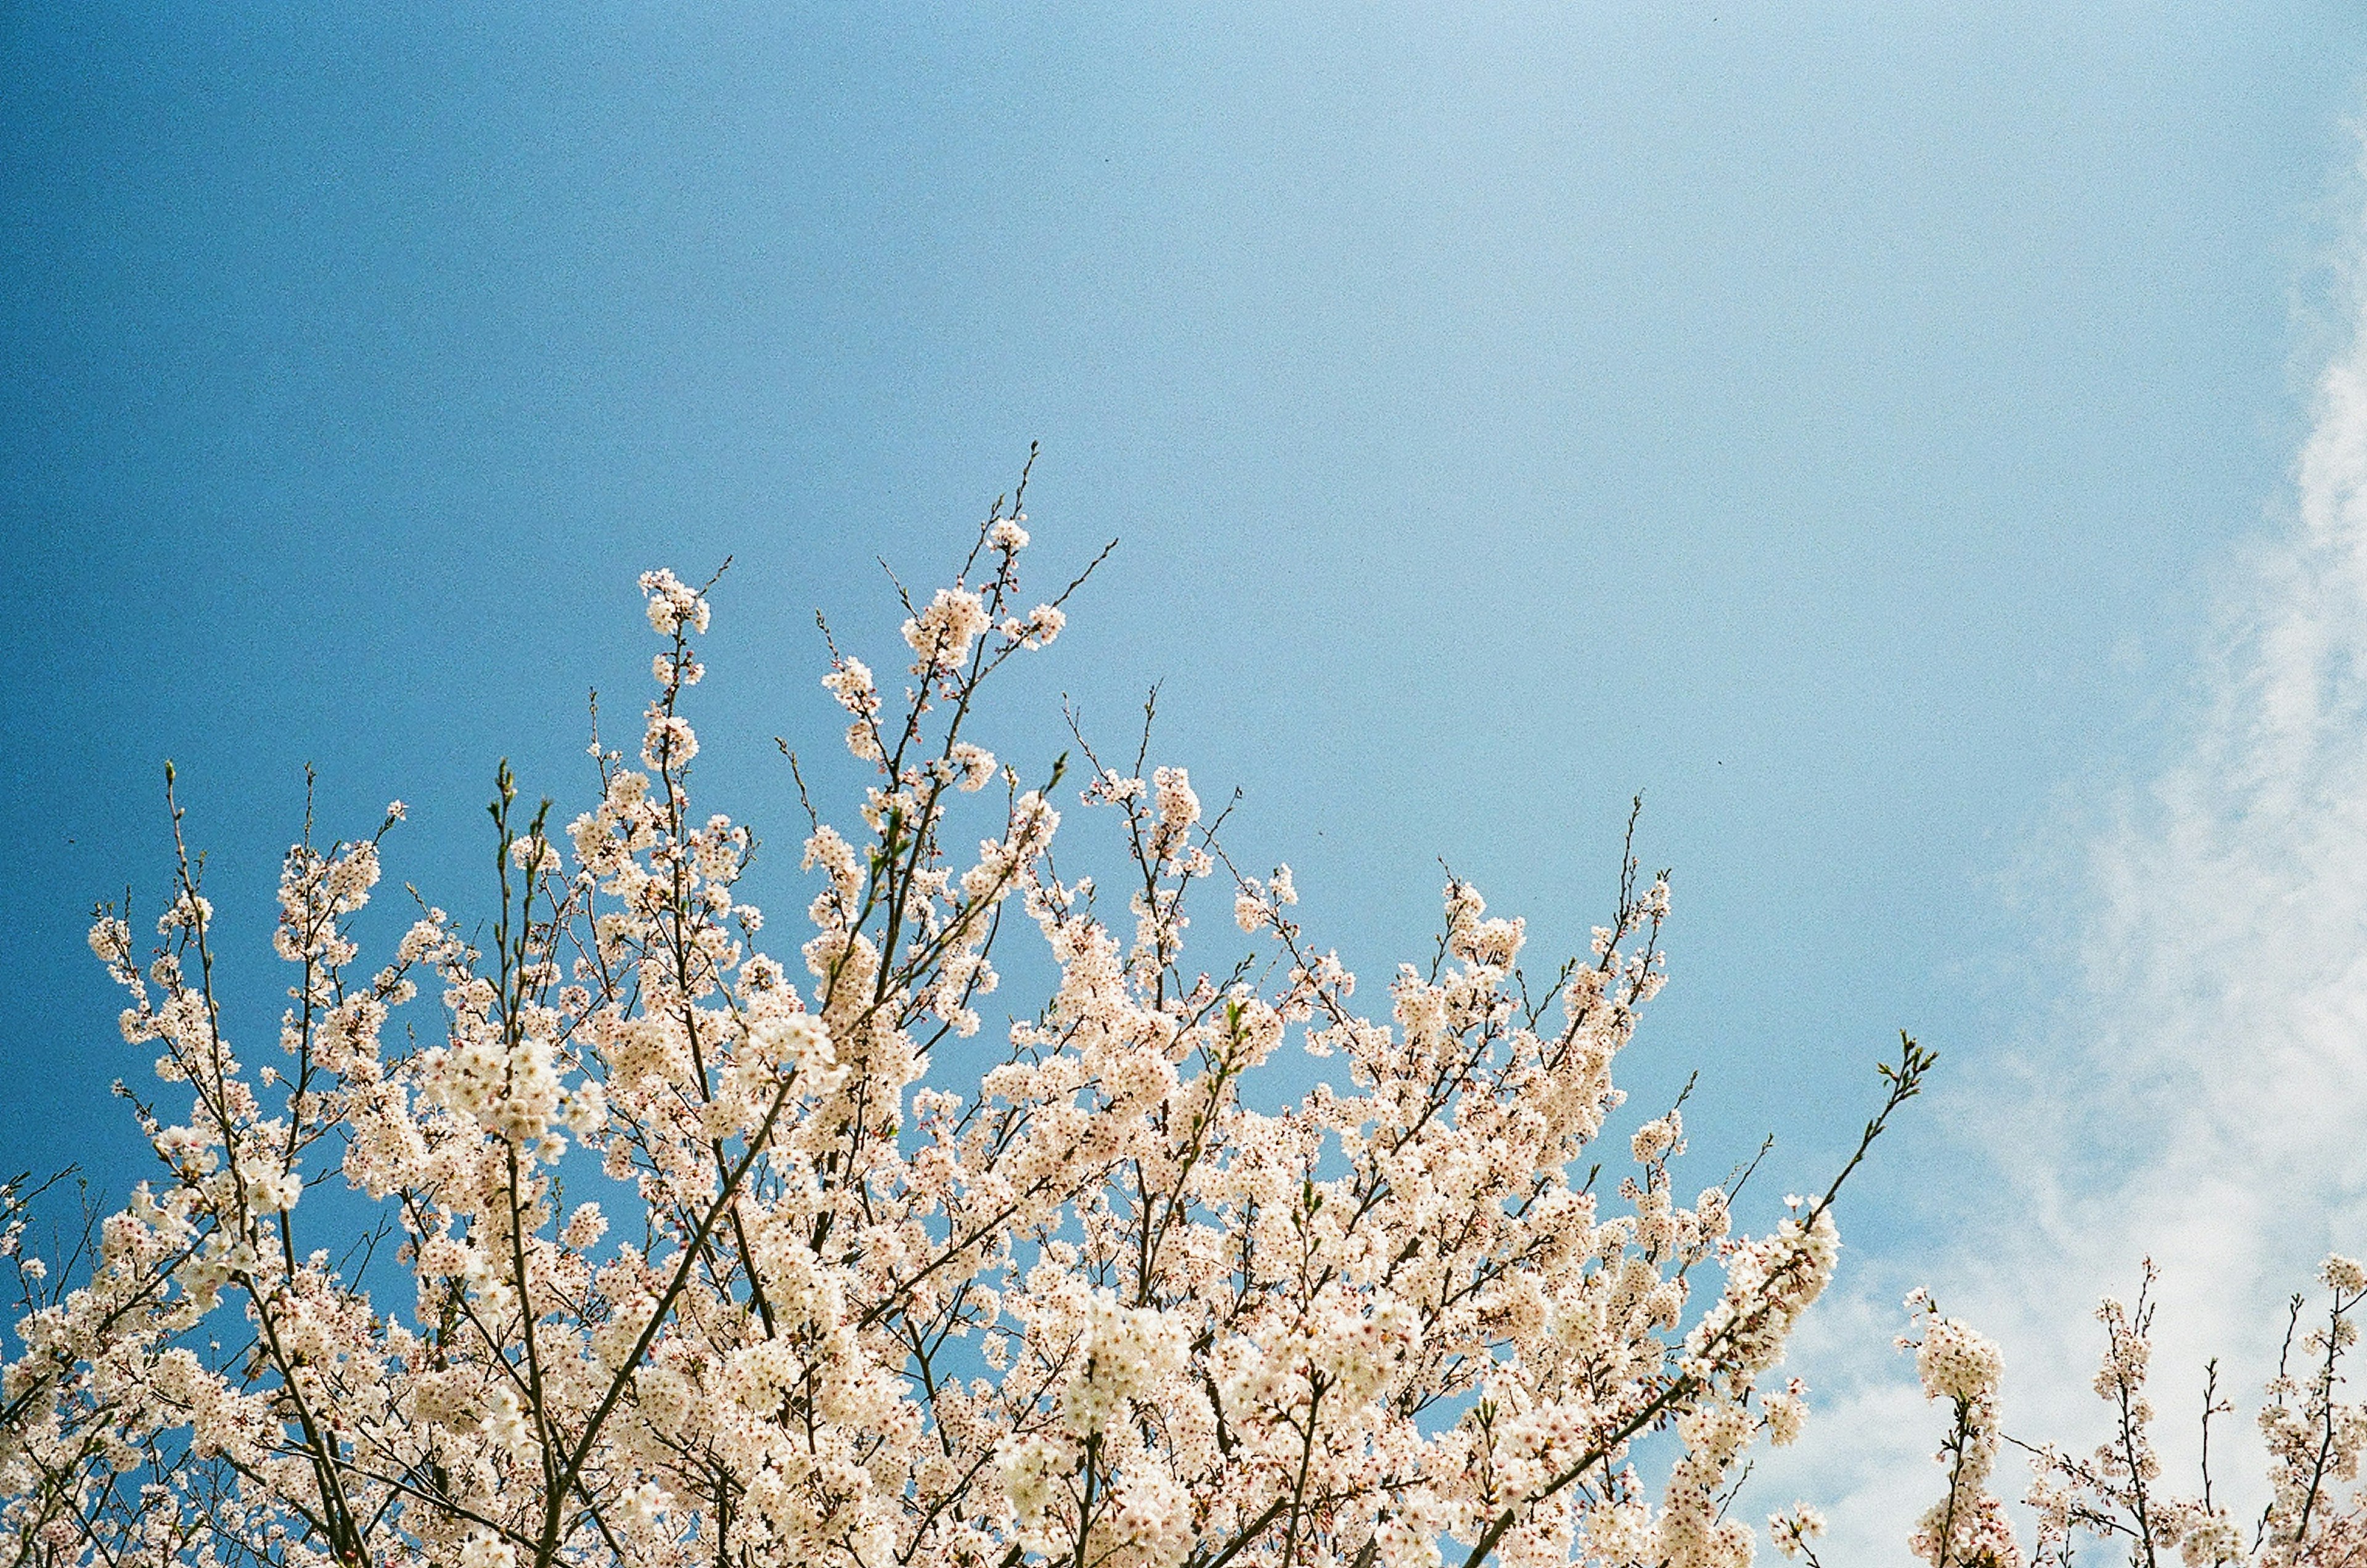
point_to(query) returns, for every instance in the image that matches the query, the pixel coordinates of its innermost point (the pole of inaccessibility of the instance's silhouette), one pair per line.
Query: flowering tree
(849, 1289)
(2315, 1516)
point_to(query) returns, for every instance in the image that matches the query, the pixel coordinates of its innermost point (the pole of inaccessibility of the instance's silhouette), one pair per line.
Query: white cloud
(2203, 1097)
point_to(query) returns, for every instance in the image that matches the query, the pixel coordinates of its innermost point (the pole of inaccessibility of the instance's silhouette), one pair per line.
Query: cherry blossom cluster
(2316, 1514)
(677, 1254)
(1960, 1369)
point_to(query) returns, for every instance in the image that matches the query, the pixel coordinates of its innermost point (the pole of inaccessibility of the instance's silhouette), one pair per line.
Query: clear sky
(1840, 423)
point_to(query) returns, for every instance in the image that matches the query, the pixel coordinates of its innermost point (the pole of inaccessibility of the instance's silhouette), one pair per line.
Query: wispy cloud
(2202, 1098)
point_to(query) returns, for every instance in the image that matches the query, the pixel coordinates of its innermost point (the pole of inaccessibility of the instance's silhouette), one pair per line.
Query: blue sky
(1845, 425)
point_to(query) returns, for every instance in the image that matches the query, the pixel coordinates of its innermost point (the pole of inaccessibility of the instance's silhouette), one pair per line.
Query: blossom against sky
(1838, 423)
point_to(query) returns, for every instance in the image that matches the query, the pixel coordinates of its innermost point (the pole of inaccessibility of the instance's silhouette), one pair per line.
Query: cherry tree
(2315, 1516)
(685, 1256)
